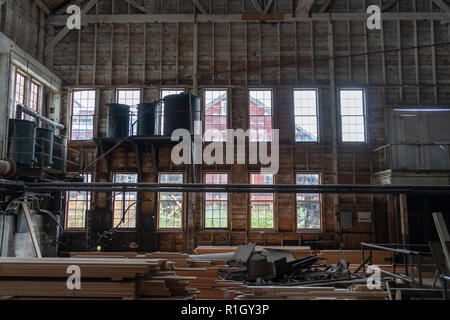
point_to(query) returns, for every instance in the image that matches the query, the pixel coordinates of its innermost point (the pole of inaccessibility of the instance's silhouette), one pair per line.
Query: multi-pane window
(305, 111)
(165, 93)
(260, 106)
(125, 202)
(216, 115)
(78, 202)
(131, 98)
(19, 95)
(170, 213)
(308, 204)
(34, 96)
(216, 203)
(83, 111)
(261, 204)
(352, 110)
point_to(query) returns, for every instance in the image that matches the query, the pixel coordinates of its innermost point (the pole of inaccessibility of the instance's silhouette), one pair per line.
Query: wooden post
(404, 218)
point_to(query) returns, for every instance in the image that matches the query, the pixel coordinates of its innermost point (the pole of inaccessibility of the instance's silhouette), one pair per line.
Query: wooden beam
(268, 6)
(199, 6)
(443, 235)
(43, 6)
(27, 214)
(257, 6)
(61, 34)
(324, 17)
(443, 5)
(326, 6)
(304, 7)
(136, 5)
(63, 9)
(389, 5)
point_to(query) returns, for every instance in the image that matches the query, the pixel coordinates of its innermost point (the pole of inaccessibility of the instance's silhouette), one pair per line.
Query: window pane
(34, 96)
(131, 98)
(260, 111)
(215, 115)
(305, 111)
(261, 204)
(20, 89)
(76, 206)
(170, 203)
(352, 116)
(216, 204)
(83, 110)
(308, 204)
(125, 202)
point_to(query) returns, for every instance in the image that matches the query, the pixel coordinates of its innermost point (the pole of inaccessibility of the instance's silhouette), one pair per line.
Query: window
(260, 106)
(76, 206)
(83, 111)
(34, 96)
(261, 204)
(305, 112)
(170, 205)
(165, 93)
(125, 202)
(216, 204)
(353, 116)
(20, 89)
(216, 115)
(308, 204)
(131, 98)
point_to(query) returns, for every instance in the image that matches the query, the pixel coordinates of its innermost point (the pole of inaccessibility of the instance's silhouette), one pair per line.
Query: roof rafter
(304, 7)
(326, 6)
(199, 6)
(443, 5)
(257, 6)
(61, 34)
(136, 5)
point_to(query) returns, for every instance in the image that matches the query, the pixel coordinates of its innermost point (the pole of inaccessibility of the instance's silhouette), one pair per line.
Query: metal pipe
(444, 279)
(238, 188)
(21, 109)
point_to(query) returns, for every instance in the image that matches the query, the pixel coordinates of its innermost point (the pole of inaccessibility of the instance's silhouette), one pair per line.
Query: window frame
(18, 71)
(303, 230)
(319, 127)
(39, 88)
(339, 116)
(88, 201)
(274, 217)
(204, 111)
(113, 198)
(204, 202)
(271, 112)
(118, 90)
(93, 115)
(183, 204)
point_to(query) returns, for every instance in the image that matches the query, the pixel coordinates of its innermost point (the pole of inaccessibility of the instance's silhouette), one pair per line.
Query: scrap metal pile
(275, 266)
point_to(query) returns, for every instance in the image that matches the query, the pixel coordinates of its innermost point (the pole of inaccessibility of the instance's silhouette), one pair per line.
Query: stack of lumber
(201, 277)
(310, 293)
(110, 278)
(296, 251)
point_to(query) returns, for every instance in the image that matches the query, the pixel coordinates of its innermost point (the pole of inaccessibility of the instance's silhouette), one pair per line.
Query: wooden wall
(25, 22)
(278, 55)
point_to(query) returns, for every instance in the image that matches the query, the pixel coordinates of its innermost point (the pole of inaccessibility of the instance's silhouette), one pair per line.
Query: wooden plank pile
(101, 278)
(311, 293)
(201, 276)
(355, 256)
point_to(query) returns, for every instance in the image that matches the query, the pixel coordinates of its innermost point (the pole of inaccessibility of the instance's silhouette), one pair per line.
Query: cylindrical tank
(177, 110)
(59, 153)
(146, 119)
(118, 120)
(44, 147)
(22, 137)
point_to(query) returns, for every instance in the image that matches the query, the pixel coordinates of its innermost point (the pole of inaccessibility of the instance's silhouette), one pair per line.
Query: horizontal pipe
(236, 188)
(21, 109)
